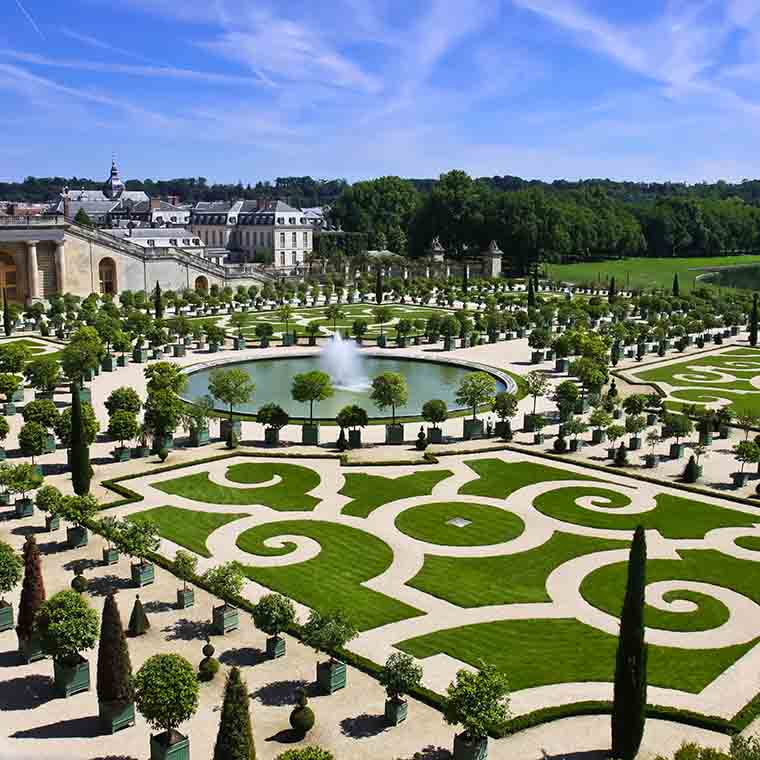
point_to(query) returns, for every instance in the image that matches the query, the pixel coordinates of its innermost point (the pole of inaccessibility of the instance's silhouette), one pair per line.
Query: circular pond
(274, 376)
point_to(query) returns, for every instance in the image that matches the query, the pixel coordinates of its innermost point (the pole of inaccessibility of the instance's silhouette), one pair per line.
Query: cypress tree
(81, 471)
(612, 291)
(465, 277)
(753, 322)
(531, 294)
(234, 741)
(379, 285)
(629, 707)
(115, 683)
(138, 620)
(535, 278)
(676, 286)
(32, 590)
(7, 321)
(158, 304)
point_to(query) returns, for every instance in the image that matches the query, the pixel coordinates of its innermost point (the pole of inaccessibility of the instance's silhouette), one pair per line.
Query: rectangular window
(305, 239)
(282, 240)
(295, 258)
(282, 258)
(295, 239)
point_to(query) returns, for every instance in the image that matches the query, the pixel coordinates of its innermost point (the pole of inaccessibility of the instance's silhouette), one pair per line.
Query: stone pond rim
(437, 383)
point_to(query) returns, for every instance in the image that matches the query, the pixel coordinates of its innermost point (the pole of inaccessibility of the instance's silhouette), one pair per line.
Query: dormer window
(280, 220)
(232, 220)
(172, 241)
(292, 220)
(151, 243)
(196, 241)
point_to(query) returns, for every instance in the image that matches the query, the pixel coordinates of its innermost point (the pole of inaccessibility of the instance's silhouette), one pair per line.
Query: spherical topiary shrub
(302, 717)
(560, 445)
(208, 668)
(306, 753)
(79, 583)
(163, 454)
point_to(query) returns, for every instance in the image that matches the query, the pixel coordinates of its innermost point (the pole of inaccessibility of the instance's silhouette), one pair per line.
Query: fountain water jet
(343, 362)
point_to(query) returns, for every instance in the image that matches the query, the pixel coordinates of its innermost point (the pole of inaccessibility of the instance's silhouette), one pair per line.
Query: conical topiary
(138, 620)
(81, 470)
(115, 682)
(32, 590)
(691, 471)
(234, 740)
(621, 456)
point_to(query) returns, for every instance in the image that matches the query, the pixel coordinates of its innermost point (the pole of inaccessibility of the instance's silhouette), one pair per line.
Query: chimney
(155, 203)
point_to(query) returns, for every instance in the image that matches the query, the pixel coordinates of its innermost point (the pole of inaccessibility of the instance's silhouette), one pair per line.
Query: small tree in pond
(475, 389)
(185, 565)
(537, 385)
(477, 701)
(328, 632)
(32, 590)
(274, 614)
(630, 694)
(225, 581)
(67, 626)
(310, 387)
(435, 412)
(115, 683)
(400, 675)
(166, 693)
(232, 387)
(389, 390)
(234, 740)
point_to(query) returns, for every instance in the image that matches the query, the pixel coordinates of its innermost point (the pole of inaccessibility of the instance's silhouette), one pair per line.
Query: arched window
(107, 275)
(201, 284)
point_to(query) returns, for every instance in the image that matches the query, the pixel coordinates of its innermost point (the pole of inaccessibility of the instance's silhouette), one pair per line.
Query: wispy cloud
(86, 39)
(30, 19)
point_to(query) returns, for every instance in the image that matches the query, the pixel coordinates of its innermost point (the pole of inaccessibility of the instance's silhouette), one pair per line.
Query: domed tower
(113, 187)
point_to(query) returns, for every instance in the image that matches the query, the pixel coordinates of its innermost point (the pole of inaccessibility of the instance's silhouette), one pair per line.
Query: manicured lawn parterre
(712, 380)
(749, 542)
(368, 492)
(542, 652)
(645, 272)
(186, 527)
(507, 578)
(673, 516)
(487, 525)
(332, 579)
(291, 493)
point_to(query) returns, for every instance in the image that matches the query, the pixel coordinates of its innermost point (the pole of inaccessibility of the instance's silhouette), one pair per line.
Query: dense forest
(531, 220)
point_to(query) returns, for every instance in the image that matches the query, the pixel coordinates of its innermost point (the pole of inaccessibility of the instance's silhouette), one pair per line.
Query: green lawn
(506, 579)
(644, 272)
(542, 652)
(749, 542)
(333, 579)
(368, 492)
(674, 517)
(185, 527)
(605, 587)
(488, 525)
(498, 479)
(290, 494)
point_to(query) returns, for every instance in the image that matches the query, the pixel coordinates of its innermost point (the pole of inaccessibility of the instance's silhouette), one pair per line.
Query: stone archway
(107, 276)
(201, 284)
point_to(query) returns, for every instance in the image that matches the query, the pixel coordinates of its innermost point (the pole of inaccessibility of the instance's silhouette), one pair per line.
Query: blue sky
(253, 89)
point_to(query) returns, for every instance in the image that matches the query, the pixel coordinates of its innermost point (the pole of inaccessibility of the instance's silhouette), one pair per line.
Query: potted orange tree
(329, 633)
(399, 676)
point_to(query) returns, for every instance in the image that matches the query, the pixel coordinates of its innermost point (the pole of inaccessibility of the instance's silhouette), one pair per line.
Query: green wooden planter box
(705, 437)
(213, 348)
(138, 452)
(435, 435)
(651, 418)
(9, 409)
(394, 434)
(179, 749)
(6, 616)
(561, 365)
(108, 364)
(140, 355)
(6, 498)
(110, 556)
(179, 349)
(598, 436)
(381, 341)
(24, 507)
(114, 717)
(18, 395)
(226, 618)
(310, 435)
(354, 439)
(165, 442)
(740, 479)
(271, 436)
(576, 445)
(396, 711)
(71, 679)
(401, 341)
(199, 437)
(472, 429)
(185, 598)
(143, 574)
(634, 443)
(264, 342)
(677, 450)
(539, 438)
(239, 344)
(122, 454)
(470, 750)
(121, 360)
(76, 537)
(50, 444)
(85, 396)
(536, 357)
(332, 676)
(52, 522)
(225, 425)
(29, 650)
(448, 343)
(275, 647)
(650, 461)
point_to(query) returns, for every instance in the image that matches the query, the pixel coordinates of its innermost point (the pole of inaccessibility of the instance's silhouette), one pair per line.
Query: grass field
(291, 493)
(643, 272)
(368, 492)
(331, 580)
(567, 651)
(487, 525)
(185, 527)
(674, 517)
(749, 542)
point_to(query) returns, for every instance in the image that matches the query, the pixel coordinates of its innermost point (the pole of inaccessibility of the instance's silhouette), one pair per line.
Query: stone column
(60, 265)
(34, 273)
